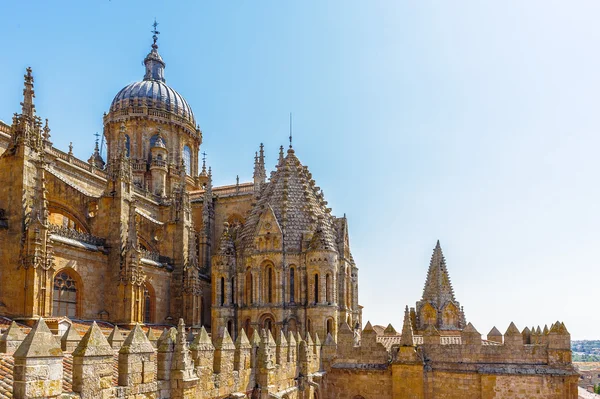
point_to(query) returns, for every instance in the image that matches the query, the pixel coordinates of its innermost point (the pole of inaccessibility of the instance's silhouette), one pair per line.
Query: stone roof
(438, 288)
(298, 205)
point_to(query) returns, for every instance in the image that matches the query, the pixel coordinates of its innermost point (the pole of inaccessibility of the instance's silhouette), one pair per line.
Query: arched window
(232, 290)
(248, 294)
(292, 285)
(329, 326)
(269, 285)
(328, 288)
(127, 145)
(148, 305)
(248, 328)
(268, 324)
(316, 288)
(292, 325)
(222, 298)
(187, 159)
(64, 301)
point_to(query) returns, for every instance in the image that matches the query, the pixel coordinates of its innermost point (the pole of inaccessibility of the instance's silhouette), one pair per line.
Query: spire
(46, 135)
(27, 106)
(290, 130)
(438, 289)
(261, 157)
(280, 156)
(203, 173)
(407, 338)
(155, 66)
(96, 158)
(260, 174)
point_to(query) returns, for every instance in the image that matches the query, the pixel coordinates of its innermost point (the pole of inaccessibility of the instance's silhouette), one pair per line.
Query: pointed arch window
(187, 160)
(222, 298)
(270, 285)
(148, 304)
(233, 290)
(316, 287)
(64, 301)
(248, 295)
(292, 285)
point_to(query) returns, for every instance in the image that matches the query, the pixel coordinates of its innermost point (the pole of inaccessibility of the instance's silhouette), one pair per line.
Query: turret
(158, 166)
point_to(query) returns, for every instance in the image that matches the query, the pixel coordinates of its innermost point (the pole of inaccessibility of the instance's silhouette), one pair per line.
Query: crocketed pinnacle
(407, 338)
(27, 106)
(438, 288)
(297, 204)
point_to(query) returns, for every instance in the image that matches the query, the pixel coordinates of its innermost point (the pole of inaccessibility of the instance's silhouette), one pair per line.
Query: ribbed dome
(153, 92)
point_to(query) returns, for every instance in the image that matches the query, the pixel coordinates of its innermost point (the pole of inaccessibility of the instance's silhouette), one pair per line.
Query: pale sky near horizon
(475, 123)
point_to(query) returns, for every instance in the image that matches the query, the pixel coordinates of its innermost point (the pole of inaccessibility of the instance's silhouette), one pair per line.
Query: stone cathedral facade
(244, 291)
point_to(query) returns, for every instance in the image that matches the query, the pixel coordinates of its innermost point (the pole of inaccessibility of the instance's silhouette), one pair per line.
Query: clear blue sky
(471, 122)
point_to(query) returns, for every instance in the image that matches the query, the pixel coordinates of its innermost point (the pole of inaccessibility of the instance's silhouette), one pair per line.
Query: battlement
(178, 364)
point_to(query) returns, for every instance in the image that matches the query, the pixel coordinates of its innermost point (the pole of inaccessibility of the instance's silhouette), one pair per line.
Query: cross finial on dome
(155, 34)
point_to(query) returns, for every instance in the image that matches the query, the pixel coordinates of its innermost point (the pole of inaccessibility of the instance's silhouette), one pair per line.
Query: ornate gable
(268, 236)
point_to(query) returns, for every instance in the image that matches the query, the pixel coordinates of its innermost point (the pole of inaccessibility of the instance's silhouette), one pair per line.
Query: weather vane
(155, 32)
(290, 130)
(97, 135)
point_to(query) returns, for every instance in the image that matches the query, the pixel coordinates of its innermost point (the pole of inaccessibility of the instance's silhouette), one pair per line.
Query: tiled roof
(6, 376)
(298, 205)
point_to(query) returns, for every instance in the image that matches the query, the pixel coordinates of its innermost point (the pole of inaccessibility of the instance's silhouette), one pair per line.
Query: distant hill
(586, 351)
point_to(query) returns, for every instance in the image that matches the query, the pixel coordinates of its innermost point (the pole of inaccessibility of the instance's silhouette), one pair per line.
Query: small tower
(438, 307)
(260, 173)
(158, 166)
(95, 160)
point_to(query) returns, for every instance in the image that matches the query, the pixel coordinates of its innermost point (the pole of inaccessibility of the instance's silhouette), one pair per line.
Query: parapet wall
(465, 366)
(176, 365)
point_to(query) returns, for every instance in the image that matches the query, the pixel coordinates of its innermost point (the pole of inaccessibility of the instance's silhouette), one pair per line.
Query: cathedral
(145, 237)
(131, 276)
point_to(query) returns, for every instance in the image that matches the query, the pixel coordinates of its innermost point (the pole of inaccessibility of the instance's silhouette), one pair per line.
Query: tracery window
(187, 159)
(64, 301)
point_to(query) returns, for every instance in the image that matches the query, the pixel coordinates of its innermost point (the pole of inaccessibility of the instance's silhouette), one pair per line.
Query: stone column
(38, 370)
(93, 366)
